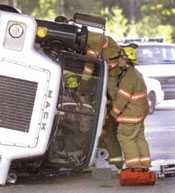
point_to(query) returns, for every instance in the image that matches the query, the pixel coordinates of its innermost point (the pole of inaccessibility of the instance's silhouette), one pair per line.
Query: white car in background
(156, 60)
(154, 92)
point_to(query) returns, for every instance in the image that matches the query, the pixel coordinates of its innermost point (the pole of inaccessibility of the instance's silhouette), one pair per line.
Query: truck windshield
(148, 55)
(79, 108)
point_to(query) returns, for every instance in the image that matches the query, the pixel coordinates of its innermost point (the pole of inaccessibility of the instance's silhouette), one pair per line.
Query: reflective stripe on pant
(116, 159)
(134, 145)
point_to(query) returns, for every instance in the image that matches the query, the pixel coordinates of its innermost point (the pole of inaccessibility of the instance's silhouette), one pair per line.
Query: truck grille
(16, 103)
(168, 86)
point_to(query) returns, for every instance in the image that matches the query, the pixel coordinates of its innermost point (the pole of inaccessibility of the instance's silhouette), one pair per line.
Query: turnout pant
(134, 145)
(109, 141)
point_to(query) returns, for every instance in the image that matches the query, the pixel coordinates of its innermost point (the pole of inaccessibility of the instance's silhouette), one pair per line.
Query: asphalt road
(160, 132)
(84, 183)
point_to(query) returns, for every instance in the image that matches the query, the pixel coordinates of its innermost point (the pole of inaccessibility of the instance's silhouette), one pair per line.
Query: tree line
(148, 18)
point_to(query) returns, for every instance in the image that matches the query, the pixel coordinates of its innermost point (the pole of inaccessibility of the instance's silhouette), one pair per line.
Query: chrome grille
(16, 103)
(167, 80)
(168, 86)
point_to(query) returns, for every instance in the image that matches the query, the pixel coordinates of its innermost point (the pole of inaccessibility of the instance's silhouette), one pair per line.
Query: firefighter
(71, 84)
(100, 46)
(129, 109)
(71, 80)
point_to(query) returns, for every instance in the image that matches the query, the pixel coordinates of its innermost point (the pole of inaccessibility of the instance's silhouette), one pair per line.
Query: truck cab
(43, 123)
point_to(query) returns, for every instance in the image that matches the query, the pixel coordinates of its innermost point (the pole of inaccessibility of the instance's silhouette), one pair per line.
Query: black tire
(152, 102)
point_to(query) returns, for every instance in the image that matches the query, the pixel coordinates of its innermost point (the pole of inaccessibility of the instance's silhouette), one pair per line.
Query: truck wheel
(151, 102)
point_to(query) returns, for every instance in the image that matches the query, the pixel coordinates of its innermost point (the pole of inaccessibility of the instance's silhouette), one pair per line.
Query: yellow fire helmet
(131, 53)
(71, 80)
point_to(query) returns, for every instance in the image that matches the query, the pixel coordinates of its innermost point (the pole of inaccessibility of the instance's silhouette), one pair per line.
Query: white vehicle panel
(22, 62)
(154, 85)
(157, 70)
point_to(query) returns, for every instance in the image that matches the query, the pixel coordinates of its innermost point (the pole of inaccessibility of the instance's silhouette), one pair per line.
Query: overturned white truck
(43, 124)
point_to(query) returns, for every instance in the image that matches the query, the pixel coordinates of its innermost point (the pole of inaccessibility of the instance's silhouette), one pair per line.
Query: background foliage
(124, 17)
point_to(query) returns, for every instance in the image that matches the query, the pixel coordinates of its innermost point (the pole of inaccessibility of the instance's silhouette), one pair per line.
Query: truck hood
(157, 70)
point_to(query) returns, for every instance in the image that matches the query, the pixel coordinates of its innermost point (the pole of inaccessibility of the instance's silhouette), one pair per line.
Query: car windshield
(148, 55)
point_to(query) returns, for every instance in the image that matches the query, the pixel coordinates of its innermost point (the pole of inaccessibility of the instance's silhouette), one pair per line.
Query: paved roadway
(160, 132)
(85, 184)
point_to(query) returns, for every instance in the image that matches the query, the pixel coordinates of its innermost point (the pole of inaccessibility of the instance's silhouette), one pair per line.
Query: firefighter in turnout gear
(100, 46)
(129, 109)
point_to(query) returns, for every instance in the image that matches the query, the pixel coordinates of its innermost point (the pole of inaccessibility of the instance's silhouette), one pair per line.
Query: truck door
(81, 110)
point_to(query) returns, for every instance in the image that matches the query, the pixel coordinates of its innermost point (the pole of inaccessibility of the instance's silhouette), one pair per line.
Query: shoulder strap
(121, 75)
